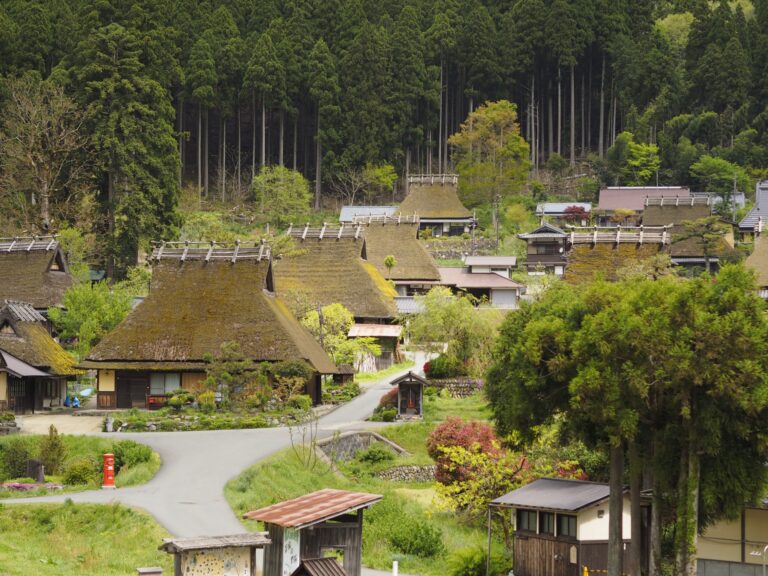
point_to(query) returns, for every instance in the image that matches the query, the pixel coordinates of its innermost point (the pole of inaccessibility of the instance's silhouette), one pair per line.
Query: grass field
(78, 540)
(284, 476)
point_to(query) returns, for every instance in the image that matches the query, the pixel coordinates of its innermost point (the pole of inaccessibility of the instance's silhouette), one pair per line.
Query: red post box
(109, 471)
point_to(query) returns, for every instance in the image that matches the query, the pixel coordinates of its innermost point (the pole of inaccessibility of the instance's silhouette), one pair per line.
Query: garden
(71, 463)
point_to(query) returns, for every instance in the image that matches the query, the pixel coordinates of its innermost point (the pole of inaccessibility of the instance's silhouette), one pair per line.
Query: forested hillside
(128, 101)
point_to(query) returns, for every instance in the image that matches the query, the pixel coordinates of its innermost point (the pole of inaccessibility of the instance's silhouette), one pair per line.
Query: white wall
(589, 527)
(504, 299)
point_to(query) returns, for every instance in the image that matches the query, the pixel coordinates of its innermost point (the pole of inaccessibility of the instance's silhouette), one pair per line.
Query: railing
(325, 232)
(433, 179)
(385, 219)
(679, 201)
(620, 235)
(207, 251)
(28, 243)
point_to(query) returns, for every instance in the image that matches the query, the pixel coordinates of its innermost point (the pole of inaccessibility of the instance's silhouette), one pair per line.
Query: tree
(201, 82)
(330, 326)
(633, 163)
(282, 194)
(492, 155)
(389, 262)
(719, 176)
(708, 233)
(43, 152)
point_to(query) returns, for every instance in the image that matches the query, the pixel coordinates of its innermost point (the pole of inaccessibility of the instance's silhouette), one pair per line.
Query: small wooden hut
(410, 395)
(320, 524)
(319, 567)
(215, 556)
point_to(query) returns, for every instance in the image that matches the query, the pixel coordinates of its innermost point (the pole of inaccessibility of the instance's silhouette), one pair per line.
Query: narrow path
(187, 494)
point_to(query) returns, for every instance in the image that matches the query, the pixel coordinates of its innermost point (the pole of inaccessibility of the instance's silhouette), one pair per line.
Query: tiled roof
(555, 494)
(408, 305)
(633, 197)
(23, 312)
(461, 278)
(750, 221)
(545, 230)
(313, 508)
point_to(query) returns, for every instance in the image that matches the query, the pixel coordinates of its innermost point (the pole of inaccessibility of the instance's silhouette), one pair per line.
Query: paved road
(187, 494)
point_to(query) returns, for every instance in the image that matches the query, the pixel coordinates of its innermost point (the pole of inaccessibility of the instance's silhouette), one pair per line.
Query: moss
(434, 201)
(400, 241)
(26, 277)
(585, 261)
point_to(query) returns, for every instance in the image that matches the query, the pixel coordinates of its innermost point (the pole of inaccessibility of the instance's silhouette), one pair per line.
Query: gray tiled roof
(760, 210)
(555, 494)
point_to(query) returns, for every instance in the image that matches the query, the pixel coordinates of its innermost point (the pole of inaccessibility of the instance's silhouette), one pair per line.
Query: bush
(474, 436)
(15, 457)
(129, 453)
(52, 451)
(471, 562)
(300, 402)
(389, 399)
(7, 417)
(81, 471)
(389, 415)
(416, 537)
(375, 453)
(207, 401)
(446, 367)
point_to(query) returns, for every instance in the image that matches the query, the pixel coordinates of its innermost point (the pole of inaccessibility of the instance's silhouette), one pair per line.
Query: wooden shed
(410, 395)
(325, 523)
(217, 555)
(319, 567)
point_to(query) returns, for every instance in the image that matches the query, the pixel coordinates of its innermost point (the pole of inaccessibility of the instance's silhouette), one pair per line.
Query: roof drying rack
(209, 251)
(325, 232)
(433, 179)
(28, 243)
(385, 219)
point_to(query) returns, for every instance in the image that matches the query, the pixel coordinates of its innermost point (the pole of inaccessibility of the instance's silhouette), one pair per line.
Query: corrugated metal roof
(408, 305)
(491, 261)
(320, 567)
(349, 213)
(750, 221)
(252, 539)
(375, 331)
(313, 508)
(23, 312)
(20, 368)
(555, 494)
(553, 208)
(633, 197)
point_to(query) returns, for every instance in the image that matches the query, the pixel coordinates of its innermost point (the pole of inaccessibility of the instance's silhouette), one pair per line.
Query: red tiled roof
(313, 508)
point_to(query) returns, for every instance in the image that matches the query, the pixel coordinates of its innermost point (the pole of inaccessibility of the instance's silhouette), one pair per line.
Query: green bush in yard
(17, 452)
(300, 402)
(416, 537)
(471, 562)
(129, 453)
(375, 453)
(81, 471)
(52, 451)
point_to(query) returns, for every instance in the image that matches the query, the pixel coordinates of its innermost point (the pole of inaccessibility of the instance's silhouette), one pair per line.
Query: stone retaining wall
(346, 446)
(458, 387)
(7, 428)
(409, 474)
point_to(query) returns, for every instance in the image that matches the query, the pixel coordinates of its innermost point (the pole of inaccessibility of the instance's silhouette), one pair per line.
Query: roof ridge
(326, 231)
(233, 251)
(29, 243)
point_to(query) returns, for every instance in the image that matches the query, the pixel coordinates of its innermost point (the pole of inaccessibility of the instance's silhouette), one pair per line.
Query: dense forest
(135, 100)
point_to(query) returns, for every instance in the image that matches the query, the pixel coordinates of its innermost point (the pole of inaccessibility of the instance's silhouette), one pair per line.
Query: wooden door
(131, 389)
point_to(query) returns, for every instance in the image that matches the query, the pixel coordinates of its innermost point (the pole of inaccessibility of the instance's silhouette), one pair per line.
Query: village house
(624, 204)
(754, 222)
(758, 261)
(435, 200)
(545, 252)
(326, 523)
(33, 270)
(330, 265)
(501, 265)
(387, 336)
(737, 546)
(34, 368)
(492, 288)
(560, 213)
(201, 296)
(561, 527)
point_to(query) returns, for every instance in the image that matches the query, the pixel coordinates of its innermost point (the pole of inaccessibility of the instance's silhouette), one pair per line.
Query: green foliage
(129, 454)
(337, 321)
(282, 195)
(52, 451)
(230, 374)
(300, 402)
(472, 562)
(417, 537)
(375, 454)
(81, 472)
(389, 262)
(16, 453)
(633, 163)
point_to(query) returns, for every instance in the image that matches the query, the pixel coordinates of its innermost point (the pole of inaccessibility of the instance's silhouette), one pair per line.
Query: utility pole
(321, 321)
(496, 200)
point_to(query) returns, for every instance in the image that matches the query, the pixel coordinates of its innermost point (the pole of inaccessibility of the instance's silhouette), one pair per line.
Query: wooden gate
(537, 556)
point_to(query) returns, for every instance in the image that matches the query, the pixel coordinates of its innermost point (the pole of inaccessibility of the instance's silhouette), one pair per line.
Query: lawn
(394, 369)
(409, 506)
(78, 540)
(84, 453)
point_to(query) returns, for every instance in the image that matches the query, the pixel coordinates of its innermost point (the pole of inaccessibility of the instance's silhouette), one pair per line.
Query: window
(548, 249)
(526, 520)
(547, 523)
(566, 526)
(162, 384)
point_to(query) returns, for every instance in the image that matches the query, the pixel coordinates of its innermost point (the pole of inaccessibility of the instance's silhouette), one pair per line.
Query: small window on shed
(526, 520)
(547, 525)
(566, 526)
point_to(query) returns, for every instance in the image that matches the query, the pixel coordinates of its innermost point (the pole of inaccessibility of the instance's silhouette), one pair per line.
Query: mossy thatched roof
(26, 337)
(332, 270)
(34, 272)
(413, 262)
(438, 200)
(758, 260)
(195, 306)
(605, 259)
(662, 215)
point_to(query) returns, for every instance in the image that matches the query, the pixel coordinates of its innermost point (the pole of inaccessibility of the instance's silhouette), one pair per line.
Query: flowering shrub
(475, 437)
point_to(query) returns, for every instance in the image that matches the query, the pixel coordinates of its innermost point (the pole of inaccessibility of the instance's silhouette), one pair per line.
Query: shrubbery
(375, 453)
(417, 537)
(81, 471)
(52, 451)
(15, 455)
(473, 436)
(471, 562)
(300, 402)
(129, 453)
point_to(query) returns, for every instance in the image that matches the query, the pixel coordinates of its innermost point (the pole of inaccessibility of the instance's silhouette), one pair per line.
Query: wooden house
(387, 336)
(501, 265)
(545, 249)
(33, 270)
(561, 527)
(435, 200)
(329, 266)
(323, 523)
(34, 368)
(495, 289)
(415, 271)
(410, 395)
(201, 296)
(320, 567)
(217, 555)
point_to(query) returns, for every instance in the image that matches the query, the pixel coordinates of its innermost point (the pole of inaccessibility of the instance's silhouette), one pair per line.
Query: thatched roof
(606, 259)
(195, 306)
(664, 211)
(34, 271)
(758, 260)
(434, 198)
(400, 241)
(333, 269)
(23, 334)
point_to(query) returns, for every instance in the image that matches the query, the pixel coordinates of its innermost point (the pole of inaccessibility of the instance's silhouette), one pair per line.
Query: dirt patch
(65, 423)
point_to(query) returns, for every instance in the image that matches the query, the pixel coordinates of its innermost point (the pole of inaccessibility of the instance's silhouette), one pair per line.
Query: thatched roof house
(434, 199)
(201, 296)
(331, 266)
(415, 268)
(33, 270)
(758, 261)
(33, 366)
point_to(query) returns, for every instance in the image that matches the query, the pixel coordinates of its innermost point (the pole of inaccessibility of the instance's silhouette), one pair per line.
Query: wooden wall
(346, 535)
(541, 556)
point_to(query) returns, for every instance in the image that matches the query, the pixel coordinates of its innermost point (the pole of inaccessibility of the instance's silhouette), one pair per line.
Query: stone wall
(7, 428)
(409, 474)
(458, 387)
(346, 446)
(454, 248)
